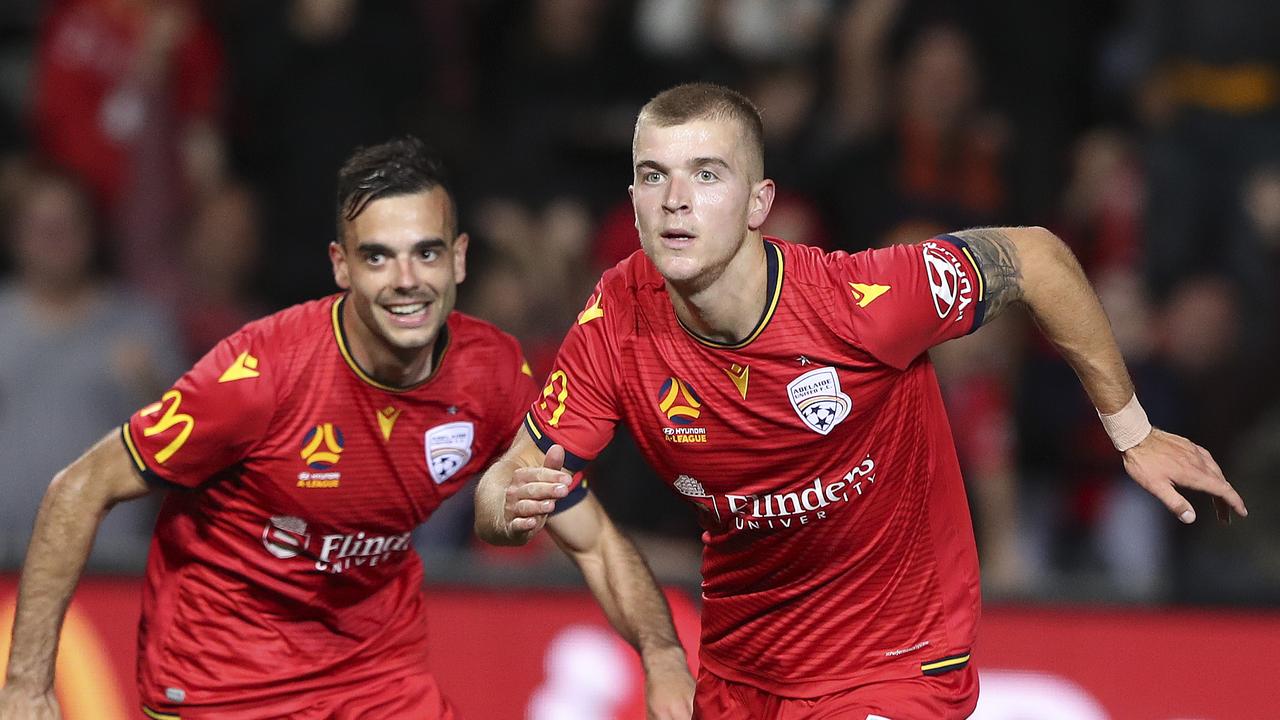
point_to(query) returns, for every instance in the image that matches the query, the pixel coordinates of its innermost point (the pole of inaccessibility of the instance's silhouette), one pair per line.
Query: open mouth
(405, 310)
(677, 235)
(407, 313)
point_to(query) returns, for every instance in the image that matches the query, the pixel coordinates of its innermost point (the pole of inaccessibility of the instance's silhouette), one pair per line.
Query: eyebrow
(697, 162)
(423, 244)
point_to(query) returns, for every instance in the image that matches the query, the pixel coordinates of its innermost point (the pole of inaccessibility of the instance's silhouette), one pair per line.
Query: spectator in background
(128, 96)
(1210, 99)
(79, 353)
(313, 78)
(912, 138)
(1101, 213)
(219, 258)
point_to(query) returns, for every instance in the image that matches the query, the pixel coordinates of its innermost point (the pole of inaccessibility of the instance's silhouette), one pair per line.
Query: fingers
(531, 496)
(1173, 500)
(1226, 496)
(1175, 462)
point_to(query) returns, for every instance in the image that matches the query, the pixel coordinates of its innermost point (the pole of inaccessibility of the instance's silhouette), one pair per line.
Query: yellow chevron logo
(867, 294)
(387, 417)
(738, 374)
(593, 310)
(524, 368)
(245, 367)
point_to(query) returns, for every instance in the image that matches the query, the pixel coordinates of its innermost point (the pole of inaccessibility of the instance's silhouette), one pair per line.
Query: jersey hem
(817, 687)
(286, 702)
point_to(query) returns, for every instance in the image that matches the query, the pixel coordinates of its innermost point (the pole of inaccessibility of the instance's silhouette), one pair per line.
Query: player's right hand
(532, 493)
(20, 704)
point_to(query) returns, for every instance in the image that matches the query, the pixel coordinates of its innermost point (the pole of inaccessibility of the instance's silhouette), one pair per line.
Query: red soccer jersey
(281, 562)
(838, 546)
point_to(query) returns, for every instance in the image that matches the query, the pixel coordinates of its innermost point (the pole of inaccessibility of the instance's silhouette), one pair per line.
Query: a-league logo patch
(448, 448)
(817, 399)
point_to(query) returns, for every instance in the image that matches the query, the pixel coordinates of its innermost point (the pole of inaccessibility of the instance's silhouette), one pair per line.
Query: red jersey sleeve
(577, 408)
(521, 390)
(908, 298)
(210, 419)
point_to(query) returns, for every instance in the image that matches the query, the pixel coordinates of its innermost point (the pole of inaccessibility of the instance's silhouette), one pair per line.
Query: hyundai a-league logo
(818, 400)
(321, 446)
(678, 401)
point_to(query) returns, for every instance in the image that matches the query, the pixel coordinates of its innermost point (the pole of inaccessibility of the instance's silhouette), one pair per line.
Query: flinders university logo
(681, 404)
(817, 399)
(448, 448)
(285, 536)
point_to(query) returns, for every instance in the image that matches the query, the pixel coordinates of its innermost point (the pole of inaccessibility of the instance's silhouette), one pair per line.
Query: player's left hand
(1164, 462)
(668, 687)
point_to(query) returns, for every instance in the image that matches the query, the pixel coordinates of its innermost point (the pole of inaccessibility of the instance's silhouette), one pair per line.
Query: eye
(430, 254)
(653, 177)
(707, 176)
(375, 258)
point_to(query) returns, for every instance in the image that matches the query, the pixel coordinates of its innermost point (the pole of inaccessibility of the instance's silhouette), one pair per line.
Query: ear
(760, 203)
(631, 193)
(460, 257)
(341, 273)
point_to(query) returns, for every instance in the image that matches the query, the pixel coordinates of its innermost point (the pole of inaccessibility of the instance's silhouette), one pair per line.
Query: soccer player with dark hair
(299, 455)
(786, 393)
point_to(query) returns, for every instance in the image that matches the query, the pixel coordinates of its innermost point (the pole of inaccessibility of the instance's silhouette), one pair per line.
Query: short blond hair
(702, 101)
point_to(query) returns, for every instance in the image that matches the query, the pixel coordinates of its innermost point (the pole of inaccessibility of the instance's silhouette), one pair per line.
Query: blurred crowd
(167, 173)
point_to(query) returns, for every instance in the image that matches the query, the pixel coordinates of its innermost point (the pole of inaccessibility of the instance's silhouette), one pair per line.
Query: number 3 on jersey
(563, 392)
(170, 418)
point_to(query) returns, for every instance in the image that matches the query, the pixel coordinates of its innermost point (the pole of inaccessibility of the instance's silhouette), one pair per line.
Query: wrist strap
(1128, 426)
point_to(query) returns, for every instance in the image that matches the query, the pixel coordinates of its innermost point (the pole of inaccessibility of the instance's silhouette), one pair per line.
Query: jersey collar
(340, 335)
(773, 284)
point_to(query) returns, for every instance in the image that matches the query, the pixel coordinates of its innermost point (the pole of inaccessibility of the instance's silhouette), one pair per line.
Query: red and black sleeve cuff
(980, 305)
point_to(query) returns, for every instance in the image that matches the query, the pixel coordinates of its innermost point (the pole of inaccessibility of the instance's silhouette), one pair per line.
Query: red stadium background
(543, 655)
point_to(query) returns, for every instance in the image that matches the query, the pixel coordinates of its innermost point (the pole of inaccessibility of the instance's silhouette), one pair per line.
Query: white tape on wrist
(1128, 426)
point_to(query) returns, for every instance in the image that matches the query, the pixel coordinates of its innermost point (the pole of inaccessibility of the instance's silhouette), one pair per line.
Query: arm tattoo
(1001, 268)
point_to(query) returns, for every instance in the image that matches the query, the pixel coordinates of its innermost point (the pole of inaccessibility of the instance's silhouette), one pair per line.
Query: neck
(396, 367)
(727, 308)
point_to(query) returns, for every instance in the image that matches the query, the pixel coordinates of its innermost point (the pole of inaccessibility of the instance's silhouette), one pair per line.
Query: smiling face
(401, 262)
(698, 196)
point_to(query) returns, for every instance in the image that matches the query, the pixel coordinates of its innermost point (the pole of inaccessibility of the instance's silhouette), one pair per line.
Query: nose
(676, 198)
(404, 276)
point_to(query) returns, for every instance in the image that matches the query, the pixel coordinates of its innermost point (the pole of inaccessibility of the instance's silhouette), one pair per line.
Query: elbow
(1043, 255)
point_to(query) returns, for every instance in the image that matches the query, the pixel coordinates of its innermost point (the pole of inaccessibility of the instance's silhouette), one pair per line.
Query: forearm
(1033, 266)
(627, 591)
(1064, 305)
(60, 544)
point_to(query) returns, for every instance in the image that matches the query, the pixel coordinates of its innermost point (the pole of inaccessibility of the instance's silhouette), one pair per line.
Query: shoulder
(814, 266)
(472, 331)
(632, 287)
(632, 277)
(308, 323)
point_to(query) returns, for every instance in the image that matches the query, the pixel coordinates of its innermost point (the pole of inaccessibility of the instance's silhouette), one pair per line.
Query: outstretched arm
(75, 503)
(1032, 266)
(625, 588)
(516, 498)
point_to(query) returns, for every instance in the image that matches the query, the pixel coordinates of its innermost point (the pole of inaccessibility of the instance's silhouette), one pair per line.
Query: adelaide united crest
(818, 400)
(448, 449)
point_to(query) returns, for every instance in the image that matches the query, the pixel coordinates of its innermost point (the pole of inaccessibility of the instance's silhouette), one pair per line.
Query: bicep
(104, 475)
(999, 255)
